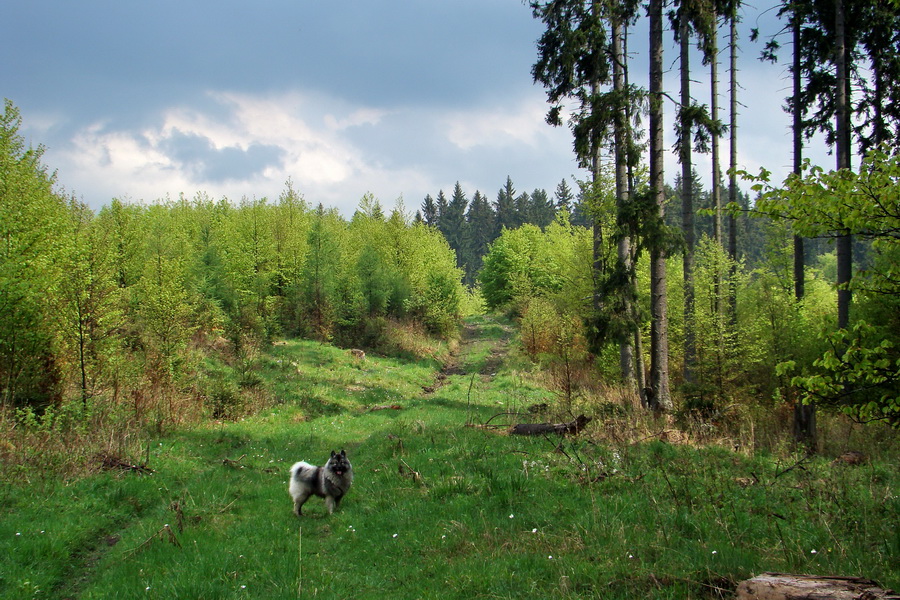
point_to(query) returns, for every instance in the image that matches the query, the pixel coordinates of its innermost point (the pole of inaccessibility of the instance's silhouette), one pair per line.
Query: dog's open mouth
(339, 471)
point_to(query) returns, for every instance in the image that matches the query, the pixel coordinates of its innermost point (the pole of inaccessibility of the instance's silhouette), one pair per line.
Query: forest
(696, 302)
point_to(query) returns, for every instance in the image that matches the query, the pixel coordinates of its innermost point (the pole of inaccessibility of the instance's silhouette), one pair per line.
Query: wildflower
(511, 516)
(812, 552)
(534, 530)
(715, 551)
(396, 534)
(550, 557)
(631, 556)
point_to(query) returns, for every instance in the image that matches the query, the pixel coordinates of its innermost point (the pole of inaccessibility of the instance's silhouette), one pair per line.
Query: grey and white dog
(330, 482)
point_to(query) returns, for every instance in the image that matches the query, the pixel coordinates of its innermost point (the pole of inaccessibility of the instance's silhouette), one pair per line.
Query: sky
(398, 98)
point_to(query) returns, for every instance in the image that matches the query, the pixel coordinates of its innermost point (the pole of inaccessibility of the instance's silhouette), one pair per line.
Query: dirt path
(483, 347)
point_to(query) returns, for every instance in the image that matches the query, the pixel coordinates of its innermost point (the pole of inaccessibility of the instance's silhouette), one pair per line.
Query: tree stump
(784, 586)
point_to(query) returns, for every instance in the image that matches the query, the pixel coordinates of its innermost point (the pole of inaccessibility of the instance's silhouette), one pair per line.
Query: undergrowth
(445, 503)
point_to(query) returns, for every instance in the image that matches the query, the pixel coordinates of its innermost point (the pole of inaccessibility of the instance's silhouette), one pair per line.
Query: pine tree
(505, 208)
(564, 197)
(453, 223)
(441, 211)
(480, 222)
(540, 209)
(429, 211)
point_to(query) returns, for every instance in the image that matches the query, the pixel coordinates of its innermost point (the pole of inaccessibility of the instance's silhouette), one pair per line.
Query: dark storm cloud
(197, 154)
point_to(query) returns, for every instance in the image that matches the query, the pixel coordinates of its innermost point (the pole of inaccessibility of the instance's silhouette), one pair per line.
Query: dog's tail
(299, 469)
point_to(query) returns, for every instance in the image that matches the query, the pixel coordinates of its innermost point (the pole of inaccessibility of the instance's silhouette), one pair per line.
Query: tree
(320, 278)
(575, 61)
(89, 305)
(480, 224)
(453, 222)
(505, 208)
(564, 197)
(540, 209)
(860, 373)
(440, 210)
(32, 221)
(659, 325)
(429, 211)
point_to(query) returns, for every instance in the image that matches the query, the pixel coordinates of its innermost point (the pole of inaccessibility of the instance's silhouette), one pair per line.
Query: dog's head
(338, 463)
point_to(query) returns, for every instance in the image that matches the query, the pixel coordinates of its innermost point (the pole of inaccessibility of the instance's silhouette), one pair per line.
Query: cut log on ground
(784, 586)
(572, 427)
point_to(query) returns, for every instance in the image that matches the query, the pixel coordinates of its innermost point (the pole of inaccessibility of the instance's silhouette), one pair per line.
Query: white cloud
(143, 164)
(521, 123)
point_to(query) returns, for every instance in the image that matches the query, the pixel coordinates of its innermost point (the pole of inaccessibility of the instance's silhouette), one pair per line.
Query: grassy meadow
(443, 506)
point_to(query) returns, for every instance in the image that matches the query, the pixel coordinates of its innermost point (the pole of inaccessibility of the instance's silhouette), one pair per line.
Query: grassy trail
(437, 509)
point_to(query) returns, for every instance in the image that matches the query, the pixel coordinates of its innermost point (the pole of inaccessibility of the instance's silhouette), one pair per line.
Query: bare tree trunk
(640, 368)
(732, 177)
(626, 350)
(804, 414)
(799, 260)
(687, 198)
(659, 324)
(844, 242)
(716, 191)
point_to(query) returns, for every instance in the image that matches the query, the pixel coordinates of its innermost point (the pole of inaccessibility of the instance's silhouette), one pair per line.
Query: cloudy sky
(400, 98)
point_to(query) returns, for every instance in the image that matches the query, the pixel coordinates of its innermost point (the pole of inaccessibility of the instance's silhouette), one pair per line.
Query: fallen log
(572, 427)
(784, 586)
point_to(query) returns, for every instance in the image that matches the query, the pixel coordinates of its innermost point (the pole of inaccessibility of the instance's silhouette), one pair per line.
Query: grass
(439, 509)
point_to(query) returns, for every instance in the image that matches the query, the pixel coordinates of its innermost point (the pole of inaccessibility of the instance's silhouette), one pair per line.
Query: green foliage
(858, 371)
(438, 509)
(859, 374)
(32, 222)
(523, 263)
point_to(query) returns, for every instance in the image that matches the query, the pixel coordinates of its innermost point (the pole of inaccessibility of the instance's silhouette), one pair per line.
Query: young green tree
(320, 280)
(32, 222)
(860, 374)
(90, 310)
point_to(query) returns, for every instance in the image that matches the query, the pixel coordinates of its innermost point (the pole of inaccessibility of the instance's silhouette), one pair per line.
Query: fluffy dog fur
(331, 481)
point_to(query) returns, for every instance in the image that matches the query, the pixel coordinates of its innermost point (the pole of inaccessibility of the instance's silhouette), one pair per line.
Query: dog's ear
(333, 453)
(344, 454)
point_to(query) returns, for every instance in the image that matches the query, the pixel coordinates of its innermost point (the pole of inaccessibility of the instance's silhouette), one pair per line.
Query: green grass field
(438, 509)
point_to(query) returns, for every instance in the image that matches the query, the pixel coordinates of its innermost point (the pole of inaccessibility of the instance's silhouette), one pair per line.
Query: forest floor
(444, 504)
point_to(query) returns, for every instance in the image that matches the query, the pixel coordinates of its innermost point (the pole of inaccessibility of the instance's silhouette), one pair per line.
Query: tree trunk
(687, 198)
(844, 244)
(626, 350)
(659, 324)
(782, 586)
(716, 191)
(797, 127)
(639, 366)
(732, 177)
(804, 414)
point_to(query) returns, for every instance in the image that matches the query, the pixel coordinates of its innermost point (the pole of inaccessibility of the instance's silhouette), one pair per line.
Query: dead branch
(234, 462)
(108, 462)
(572, 427)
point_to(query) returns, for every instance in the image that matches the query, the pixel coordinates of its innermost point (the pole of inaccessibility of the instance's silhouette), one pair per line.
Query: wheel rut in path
(482, 349)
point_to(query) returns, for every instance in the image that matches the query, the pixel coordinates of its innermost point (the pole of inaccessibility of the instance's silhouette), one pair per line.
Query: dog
(331, 481)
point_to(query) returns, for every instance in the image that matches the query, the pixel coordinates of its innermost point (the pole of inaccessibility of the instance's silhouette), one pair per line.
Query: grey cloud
(198, 154)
